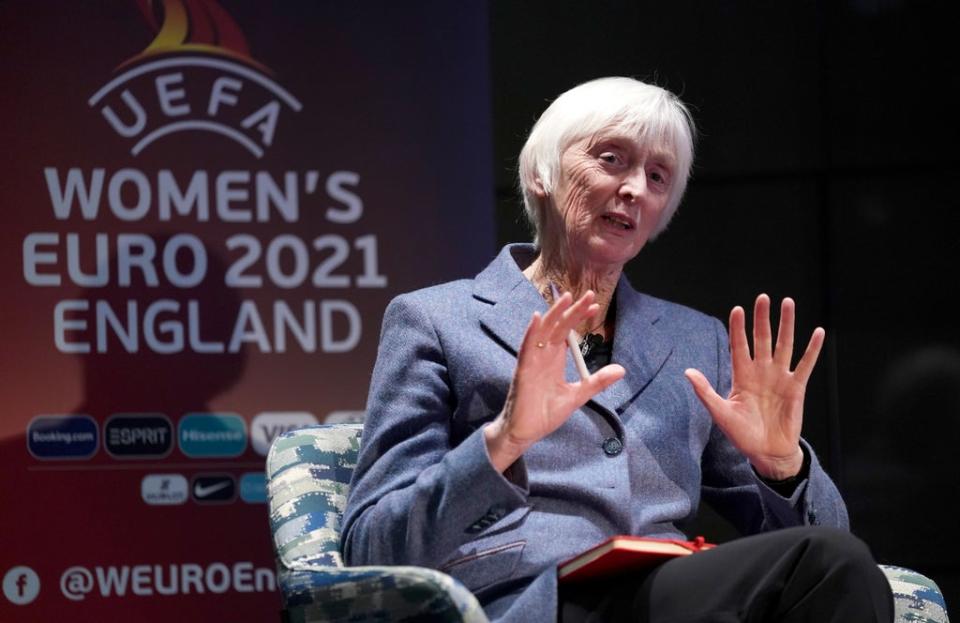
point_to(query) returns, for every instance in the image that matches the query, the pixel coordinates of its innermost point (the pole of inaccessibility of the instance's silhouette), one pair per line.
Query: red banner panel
(206, 207)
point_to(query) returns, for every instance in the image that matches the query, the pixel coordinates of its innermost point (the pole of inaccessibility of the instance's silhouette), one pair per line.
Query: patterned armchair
(308, 475)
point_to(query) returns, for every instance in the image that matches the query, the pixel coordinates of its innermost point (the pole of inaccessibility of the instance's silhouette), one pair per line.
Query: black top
(596, 353)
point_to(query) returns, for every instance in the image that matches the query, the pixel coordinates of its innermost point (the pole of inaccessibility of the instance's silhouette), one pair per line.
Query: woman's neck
(569, 277)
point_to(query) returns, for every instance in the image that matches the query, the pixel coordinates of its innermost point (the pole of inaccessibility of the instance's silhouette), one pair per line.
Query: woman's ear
(538, 188)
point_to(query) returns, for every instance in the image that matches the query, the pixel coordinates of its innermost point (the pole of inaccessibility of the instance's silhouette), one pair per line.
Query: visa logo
(269, 425)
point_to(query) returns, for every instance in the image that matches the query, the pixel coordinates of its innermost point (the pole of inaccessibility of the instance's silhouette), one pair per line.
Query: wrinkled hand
(540, 399)
(763, 415)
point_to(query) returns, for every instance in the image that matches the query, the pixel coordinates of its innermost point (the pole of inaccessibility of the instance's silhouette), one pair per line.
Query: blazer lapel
(638, 345)
(512, 297)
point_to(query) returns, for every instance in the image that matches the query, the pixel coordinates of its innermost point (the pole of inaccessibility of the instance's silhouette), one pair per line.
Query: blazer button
(612, 446)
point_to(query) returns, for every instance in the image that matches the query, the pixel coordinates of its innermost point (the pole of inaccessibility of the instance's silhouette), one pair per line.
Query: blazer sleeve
(733, 488)
(415, 497)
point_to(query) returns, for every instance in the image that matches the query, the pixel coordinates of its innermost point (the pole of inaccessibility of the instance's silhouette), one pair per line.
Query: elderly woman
(487, 455)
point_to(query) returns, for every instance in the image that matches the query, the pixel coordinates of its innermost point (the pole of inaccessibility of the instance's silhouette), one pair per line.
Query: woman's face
(609, 197)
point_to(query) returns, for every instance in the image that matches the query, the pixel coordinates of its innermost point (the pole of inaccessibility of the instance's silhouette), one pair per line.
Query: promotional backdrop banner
(206, 208)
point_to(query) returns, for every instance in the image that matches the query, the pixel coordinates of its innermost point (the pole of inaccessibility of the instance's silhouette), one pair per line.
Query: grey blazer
(635, 460)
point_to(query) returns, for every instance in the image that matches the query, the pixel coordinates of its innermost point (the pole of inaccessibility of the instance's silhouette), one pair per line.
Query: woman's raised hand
(540, 399)
(763, 415)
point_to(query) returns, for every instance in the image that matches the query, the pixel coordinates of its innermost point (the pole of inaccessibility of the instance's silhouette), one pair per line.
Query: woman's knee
(838, 551)
(837, 543)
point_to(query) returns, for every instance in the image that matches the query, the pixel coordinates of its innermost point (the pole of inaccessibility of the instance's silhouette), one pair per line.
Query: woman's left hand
(763, 415)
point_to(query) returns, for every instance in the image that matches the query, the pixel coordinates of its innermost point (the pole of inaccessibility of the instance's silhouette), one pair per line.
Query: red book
(624, 553)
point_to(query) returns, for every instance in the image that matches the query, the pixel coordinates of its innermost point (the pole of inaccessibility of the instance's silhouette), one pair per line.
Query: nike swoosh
(201, 491)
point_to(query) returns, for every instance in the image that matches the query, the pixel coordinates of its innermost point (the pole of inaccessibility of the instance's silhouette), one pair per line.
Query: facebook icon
(21, 585)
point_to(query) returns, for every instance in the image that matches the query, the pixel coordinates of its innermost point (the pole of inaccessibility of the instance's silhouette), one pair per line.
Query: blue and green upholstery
(916, 598)
(308, 475)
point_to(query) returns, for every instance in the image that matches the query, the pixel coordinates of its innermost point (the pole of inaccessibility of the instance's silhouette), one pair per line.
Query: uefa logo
(197, 75)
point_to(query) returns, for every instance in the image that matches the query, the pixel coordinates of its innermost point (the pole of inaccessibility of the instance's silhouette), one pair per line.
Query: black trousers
(810, 574)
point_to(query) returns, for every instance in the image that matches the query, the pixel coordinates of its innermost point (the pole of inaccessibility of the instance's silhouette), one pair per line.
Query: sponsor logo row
(174, 489)
(198, 435)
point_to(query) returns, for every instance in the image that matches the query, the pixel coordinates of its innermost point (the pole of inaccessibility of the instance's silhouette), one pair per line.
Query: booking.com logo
(21, 585)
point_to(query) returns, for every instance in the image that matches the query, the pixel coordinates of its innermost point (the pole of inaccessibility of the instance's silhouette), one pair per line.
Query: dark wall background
(825, 171)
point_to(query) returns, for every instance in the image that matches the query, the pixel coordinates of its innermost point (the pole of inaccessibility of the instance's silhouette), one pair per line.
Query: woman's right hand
(540, 398)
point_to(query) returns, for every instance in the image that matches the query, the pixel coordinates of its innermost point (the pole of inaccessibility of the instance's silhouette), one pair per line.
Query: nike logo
(202, 491)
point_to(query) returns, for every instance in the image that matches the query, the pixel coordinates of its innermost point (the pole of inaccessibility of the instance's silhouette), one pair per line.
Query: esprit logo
(196, 76)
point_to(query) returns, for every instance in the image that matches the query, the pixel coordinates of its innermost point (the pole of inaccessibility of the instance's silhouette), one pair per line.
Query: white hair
(654, 115)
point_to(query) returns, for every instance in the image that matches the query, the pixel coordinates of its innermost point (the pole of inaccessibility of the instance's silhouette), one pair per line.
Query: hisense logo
(196, 76)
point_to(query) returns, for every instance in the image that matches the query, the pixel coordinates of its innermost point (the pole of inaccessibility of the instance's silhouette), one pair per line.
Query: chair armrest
(916, 598)
(318, 593)
(308, 477)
